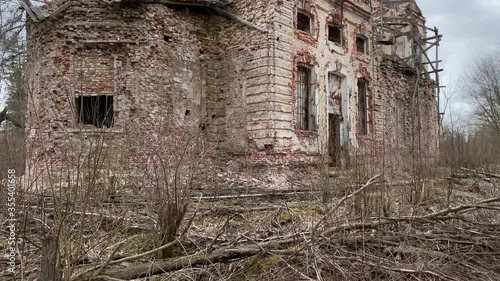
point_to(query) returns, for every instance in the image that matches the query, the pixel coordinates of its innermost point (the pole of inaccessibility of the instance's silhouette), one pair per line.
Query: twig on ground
(345, 198)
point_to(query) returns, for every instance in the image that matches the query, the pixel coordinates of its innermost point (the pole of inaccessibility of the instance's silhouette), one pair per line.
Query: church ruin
(278, 82)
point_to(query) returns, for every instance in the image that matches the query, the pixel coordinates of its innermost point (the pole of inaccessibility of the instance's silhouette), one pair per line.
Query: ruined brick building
(275, 81)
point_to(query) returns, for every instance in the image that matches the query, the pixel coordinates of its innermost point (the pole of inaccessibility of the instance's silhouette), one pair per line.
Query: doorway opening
(334, 148)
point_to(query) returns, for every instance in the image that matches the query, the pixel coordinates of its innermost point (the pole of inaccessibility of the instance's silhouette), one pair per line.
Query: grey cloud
(470, 30)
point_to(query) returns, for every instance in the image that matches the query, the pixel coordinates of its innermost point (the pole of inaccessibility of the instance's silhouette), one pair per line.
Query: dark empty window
(361, 44)
(304, 22)
(95, 110)
(335, 34)
(362, 107)
(305, 99)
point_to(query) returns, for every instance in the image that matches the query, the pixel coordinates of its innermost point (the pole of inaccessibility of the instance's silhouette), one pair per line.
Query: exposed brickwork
(180, 67)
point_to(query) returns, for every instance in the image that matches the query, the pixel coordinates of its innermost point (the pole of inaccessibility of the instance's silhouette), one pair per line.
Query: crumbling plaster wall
(177, 68)
(403, 45)
(293, 46)
(244, 80)
(60, 51)
(170, 69)
(411, 120)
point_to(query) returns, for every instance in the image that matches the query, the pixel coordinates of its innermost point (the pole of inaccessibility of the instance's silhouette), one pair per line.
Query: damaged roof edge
(38, 15)
(219, 3)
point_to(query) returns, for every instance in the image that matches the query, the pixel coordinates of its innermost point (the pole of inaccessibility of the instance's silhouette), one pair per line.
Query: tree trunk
(50, 268)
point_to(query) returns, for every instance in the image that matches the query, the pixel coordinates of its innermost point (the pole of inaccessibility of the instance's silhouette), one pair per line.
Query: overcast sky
(470, 29)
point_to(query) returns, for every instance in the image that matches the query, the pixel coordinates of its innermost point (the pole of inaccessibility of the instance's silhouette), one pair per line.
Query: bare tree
(484, 88)
(12, 58)
(12, 87)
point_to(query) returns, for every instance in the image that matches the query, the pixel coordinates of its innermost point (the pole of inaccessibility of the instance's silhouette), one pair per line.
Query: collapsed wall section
(410, 118)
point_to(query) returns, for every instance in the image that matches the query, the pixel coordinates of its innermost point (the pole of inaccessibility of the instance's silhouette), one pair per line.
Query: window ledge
(306, 133)
(94, 130)
(306, 37)
(334, 47)
(364, 137)
(362, 57)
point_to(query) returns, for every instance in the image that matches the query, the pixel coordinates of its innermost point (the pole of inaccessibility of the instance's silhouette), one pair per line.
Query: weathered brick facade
(187, 66)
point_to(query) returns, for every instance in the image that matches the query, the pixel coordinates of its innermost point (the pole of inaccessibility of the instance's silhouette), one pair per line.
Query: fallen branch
(100, 268)
(223, 255)
(439, 215)
(96, 273)
(482, 173)
(148, 269)
(83, 275)
(394, 269)
(300, 243)
(345, 198)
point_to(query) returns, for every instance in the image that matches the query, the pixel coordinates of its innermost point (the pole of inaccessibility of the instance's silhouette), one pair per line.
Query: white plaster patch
(336, 48)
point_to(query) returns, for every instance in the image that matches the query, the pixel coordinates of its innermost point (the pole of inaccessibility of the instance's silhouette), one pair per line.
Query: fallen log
(223, 255)
(143, 270)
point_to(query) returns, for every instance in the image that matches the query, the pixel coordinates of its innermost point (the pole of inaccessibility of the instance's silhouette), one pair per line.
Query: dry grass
(378, 235)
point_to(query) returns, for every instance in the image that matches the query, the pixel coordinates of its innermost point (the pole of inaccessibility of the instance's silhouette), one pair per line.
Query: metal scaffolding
(402, 19)
(402, 29)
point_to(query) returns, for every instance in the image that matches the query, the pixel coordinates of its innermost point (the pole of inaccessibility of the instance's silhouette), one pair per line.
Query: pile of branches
(455, 243)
